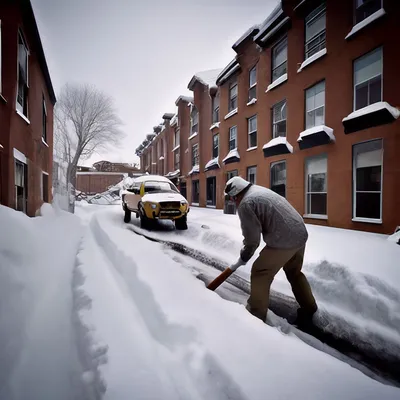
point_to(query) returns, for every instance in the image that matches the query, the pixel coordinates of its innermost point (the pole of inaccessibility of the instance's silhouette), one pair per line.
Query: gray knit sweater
(263, 211)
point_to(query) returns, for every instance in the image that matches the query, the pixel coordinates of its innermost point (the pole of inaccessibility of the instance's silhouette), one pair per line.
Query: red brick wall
(96, 183)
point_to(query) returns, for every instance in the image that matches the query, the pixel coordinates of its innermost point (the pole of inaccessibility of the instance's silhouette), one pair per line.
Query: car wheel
(127, 217)
(181, 223)
(144, 221)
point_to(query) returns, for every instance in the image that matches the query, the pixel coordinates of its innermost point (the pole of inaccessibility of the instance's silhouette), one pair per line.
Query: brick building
(26, 111)
(308, 108)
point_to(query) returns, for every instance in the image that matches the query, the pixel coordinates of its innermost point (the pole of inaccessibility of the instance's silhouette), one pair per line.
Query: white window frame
(44, 123)
(279, 43)
(272, 165)
(282, 103)
(177, 136)
(42, 184)
(367, 80)
(307, 191)
(195, 157)
(231, 86)
(354, 164)
(316, 108)
(177, 161)
(355, 11)
(311, 17)
(249, 133)
(194, 120)
(215, 99)
(254, 169)
(232, 129)
(216, 135)
(254, 85)
(17, 105)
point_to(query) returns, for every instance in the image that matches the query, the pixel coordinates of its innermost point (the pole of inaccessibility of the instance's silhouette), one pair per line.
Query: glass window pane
(317, 182)
(279, 71)
(320, 116)
(233, 91)
(279, 54)
(375, 90)
(320, 98)
(310, 98)
(253, 93)
(361, 96)
(310, 119)
(252, 124)
(368, 179)
(368, 205)
(253, 76)
(318, 203)
(253, 139)
(315, 26)
(368, 66)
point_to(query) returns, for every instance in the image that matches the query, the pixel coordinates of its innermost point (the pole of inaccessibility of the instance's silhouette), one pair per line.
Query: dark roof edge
(184, 98)
(168, 116)
(250, 33)
(228, 71)
(41, 55)
(269, 23)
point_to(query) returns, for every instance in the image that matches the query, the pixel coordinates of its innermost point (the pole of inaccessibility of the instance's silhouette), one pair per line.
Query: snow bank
(177, 340)
(39, 359)
(395, 237)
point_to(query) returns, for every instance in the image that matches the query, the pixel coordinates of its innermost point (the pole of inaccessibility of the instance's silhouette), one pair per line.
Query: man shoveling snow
(262, 211)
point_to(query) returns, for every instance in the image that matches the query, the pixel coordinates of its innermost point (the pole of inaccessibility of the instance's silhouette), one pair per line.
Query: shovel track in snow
(328, 329)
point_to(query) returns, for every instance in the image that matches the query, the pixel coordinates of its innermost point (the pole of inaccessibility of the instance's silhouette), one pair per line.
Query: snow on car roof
(157, 178)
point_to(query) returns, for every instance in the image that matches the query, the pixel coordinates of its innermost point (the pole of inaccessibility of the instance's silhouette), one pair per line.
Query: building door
(21, 186)
(183, 189)
(195, 192)
(211, 191)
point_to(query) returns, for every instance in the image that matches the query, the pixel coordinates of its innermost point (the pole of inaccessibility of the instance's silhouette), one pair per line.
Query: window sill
(316, 216)
(3, 99)
(23, 117)
(312, 59)
(231, 113)
(211, 206)
(214, 126)
(195, 204)
(356, 28)
(175, 148)
(44, 142)
(367, 220)
(252, 148)
(277, 82)
(193, 136)
(251, 102)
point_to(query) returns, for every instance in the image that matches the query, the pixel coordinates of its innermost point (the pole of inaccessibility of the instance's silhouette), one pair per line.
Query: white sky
(141, 53)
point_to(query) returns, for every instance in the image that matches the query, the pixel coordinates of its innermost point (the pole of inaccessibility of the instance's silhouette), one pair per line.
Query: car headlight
(153, 206)
(183, 203)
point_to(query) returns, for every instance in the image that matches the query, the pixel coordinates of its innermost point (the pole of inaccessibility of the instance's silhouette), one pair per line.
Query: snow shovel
(221, 278)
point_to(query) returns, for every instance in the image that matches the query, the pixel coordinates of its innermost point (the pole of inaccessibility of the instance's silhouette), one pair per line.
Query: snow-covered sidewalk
(91, 300)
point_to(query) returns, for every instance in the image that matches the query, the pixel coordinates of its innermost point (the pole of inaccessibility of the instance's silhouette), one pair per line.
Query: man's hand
(237, 264)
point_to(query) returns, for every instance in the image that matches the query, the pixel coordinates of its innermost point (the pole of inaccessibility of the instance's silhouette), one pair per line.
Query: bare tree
(85, 122)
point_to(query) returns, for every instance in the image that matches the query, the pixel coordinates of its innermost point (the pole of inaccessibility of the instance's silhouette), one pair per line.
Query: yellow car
(153, 197)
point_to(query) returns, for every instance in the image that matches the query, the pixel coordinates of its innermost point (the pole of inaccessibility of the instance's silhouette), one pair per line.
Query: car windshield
(157, 187)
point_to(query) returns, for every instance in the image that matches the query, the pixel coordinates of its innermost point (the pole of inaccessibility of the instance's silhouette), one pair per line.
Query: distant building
(309, 107)
(26, 111)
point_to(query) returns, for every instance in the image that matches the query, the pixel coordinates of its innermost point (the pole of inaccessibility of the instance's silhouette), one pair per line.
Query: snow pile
(317, 129)
(177, 340)
(232, 154)
(39, 359)
(212, 163)
(395, 237)
(380, 105)
(277, 141)
(208, 78)
(194, 170)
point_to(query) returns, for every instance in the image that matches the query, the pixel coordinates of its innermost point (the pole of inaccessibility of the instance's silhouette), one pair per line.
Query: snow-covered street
(106, 313)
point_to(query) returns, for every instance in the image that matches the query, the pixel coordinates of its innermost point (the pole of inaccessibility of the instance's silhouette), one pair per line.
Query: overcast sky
(142, 53)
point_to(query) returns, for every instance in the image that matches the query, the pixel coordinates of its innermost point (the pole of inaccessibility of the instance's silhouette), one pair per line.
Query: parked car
(153, 197)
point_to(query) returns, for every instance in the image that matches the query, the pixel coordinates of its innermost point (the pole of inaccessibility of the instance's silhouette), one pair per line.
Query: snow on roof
(228, 71)
(232, 154)
(211, 163)
(381, 105)
(184, 98)
(250, 32)
(268, 22)
(207, 78)
(146, 178)
(277, 141)
(316, 129)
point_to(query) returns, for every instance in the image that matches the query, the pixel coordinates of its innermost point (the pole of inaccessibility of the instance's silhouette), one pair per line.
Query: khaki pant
(267, 265)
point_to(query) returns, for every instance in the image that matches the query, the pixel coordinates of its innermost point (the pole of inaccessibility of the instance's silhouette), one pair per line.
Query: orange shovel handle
(220, 279)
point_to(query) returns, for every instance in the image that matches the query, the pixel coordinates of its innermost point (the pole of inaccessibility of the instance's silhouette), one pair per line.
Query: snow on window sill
(317, 129)
(193, 136)
(367, 220)
(175, 148)
(376, 15)
(215, 125)
(161, 158)
(373, 108)
(211, 206)
(252, 148)
(277, 141)
(195, 204)
(277, 82)
(230, 114)
(23, 117)
(232, 154)
(1, 146)
(2, 98)
(316, 216)
(44, 142)
(311, 59)
(252, 101)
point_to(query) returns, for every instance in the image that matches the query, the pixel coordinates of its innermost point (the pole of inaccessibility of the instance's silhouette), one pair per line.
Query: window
(279, 59)
(278, 177)
(44, 121)
(215, 150)
(195, 192)
(176, 160)
(176, 138)
(195, 154)
(211, 191)
(253, 83)
(21, 186)
(279, 120)
(316, 185)
(215, 108)
(231, 174)
(252, 174)
(194, 120)
(315, 31)
(22, 94)
(315, 105)
(233, 91)
(45, 187)
(365, 8)
(367, 180)
(252, 131)
(232, 138)
(368, 79)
